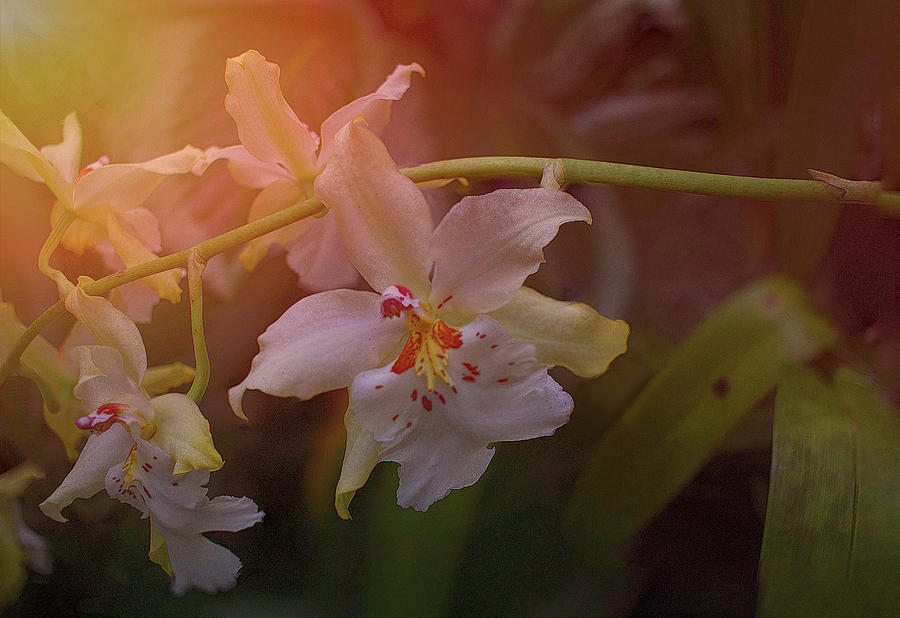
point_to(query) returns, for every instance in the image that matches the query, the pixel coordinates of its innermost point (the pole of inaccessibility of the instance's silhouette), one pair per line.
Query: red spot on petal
(396, 416)
(473, 369)
(501, 380)
(441, 397)
(468, 379)
(413, 395)
(146, 492)
(482, 336)
(408, 425)
(494, 346)
(379, 386)
(174, 483)
(426, 403)
(454, 388)
(443, 302)
(147, 467)
(510, 363)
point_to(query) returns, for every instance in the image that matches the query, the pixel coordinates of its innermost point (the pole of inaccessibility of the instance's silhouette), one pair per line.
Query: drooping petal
(374, 108)
(247, 170)
(199, 563)
(102, 376)
(23, 158)
(183, 433)
(319, 344)
(488, 244)
(66, 156)
(384, 218)
(110, 327)
(128, 185)
(273, 198)
(266, 124)
(133, 252)
(361, 455)
(564, 333)
(88, 476)
(180, 512)
(320, 259)
(441, 437)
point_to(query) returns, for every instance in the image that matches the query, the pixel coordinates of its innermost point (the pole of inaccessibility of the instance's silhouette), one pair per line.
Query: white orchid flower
(440, 366)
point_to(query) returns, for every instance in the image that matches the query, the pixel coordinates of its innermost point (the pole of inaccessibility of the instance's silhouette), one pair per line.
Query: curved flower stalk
(281, 156)
(104, 197)
(439, 366)
(154, 454)
(19, 544)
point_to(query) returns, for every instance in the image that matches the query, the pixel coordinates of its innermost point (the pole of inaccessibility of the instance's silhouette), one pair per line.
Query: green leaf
(676, 423)
(413, 556)
(831, 544)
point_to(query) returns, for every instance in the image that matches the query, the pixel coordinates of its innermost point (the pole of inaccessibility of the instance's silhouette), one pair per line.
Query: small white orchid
(154, 454)
(440, 366)
(281, 156)
(19, 544)
(105, 197)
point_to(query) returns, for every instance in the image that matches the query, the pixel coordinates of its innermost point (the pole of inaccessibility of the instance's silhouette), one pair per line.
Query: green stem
(52, 242)
(578, 171)
(195, 268)
(573, 171)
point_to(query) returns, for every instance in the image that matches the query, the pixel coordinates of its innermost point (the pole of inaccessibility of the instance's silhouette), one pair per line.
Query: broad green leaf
(413, 556)
(831, 544)
(679, 419)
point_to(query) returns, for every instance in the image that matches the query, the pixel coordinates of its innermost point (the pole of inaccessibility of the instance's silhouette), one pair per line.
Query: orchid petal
(374, 108)
(319, 344)
(102, 376)
(180, 512)
(24, 159)
(361, 455)
(247, 170)
(87, 477)
(199, 563)
(66, 156)
(84, 231)
(384, 218)
(143, 225)
(163, 378)
(488, 244)
(320, 259)
(273, 198)
(133, 252)
(440, 437)
(183, 433)
(266, 124)
(569, 334)
(127, 185)
(110, 327)
(136, 300)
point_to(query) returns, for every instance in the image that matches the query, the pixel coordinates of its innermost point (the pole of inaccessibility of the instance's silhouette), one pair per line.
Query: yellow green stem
(52, 242)
(195, 267)
(579, 171)
(567, 171)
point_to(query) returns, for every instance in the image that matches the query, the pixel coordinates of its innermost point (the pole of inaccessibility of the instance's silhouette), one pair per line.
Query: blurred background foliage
(669, 492)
